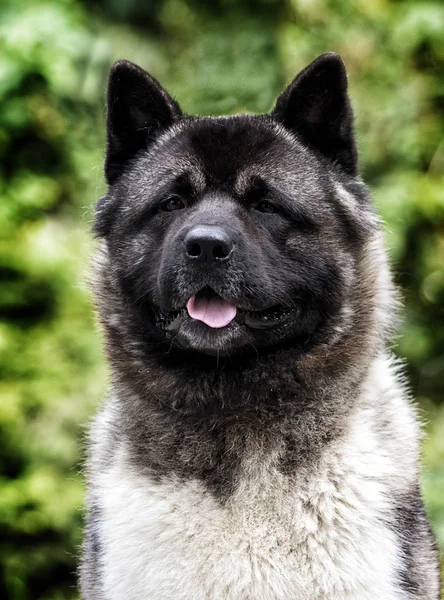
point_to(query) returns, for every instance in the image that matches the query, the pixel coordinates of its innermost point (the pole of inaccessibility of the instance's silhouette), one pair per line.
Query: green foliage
(51, 371)
(217, 57)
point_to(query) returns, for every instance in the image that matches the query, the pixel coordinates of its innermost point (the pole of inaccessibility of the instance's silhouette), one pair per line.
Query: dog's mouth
(215, 312)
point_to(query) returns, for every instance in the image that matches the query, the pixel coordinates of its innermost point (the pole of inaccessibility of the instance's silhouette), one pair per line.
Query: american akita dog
(258, 442)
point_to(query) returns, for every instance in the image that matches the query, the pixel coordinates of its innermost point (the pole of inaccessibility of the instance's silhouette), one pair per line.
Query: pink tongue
(214, 312)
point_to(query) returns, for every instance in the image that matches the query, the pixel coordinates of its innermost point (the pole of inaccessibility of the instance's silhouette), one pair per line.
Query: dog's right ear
(138, 111)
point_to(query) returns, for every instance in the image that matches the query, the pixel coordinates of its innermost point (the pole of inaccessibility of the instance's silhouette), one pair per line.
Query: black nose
(208, 243)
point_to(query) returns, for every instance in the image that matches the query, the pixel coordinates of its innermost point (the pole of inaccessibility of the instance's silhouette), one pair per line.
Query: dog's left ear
(138, 110)
(316, 107)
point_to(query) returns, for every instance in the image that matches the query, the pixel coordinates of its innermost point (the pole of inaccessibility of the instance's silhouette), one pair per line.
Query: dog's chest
(317, 538)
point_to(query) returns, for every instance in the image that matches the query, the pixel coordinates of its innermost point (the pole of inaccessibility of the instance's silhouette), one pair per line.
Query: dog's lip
(253, 318)
(240, 305)
(272, 317)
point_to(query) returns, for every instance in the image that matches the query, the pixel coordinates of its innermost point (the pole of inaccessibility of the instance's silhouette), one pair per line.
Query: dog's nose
(208, 243)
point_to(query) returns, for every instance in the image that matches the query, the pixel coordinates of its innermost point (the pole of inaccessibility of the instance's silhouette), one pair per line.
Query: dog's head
(233, 233)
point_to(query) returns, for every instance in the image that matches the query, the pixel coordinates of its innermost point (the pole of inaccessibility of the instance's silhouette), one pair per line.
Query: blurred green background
(215, 56)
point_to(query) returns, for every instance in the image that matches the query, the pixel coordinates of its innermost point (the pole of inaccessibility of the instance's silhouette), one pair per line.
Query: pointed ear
(138, 110)
(316, 107)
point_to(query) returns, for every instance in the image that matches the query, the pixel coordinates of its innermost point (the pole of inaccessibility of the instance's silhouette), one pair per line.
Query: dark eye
(172, 203)
(266, 207)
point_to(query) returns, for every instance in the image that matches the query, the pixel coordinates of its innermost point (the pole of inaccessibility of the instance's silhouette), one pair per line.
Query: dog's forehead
(231, 150)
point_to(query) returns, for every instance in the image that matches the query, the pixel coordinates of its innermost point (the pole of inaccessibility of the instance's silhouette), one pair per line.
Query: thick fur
(243, 464)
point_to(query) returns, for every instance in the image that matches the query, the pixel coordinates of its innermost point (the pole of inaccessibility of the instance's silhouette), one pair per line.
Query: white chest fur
(323, 536)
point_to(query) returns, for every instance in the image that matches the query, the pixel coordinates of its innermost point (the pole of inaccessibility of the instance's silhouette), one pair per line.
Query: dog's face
(229, 234)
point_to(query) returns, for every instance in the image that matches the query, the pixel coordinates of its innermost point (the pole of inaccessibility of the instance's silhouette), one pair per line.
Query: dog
(259, 442)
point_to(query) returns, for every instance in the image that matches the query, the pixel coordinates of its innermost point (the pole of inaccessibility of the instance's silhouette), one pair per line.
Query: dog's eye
(172, 203)
(266, 207)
